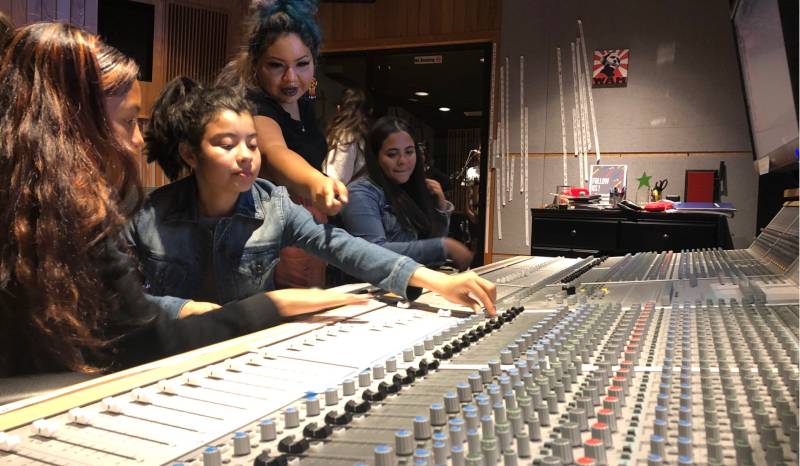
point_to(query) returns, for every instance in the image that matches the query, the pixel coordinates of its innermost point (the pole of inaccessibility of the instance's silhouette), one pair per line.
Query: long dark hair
(180, 115)
(411, 202)
(271, 19)
(62, 175)
(349, 125)
(6, 29)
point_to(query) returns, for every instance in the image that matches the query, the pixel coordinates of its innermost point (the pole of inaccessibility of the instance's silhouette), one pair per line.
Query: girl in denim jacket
(395, 206)
(215, 235)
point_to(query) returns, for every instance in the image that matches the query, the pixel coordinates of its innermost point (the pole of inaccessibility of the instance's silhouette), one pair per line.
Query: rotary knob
(241, 444)
(267, 430)
(291, 417)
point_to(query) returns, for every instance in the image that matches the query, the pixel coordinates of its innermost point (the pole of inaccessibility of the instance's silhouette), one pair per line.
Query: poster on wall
(610, 68)
(604, 179)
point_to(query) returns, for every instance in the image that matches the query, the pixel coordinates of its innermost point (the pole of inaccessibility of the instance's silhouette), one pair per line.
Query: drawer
(667, 236)
(595, 235)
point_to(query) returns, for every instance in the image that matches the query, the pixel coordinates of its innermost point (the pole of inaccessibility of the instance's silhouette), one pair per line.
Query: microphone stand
(463, 171)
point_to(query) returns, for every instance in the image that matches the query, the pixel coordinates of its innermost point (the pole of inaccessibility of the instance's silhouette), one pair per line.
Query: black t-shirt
(304, 136)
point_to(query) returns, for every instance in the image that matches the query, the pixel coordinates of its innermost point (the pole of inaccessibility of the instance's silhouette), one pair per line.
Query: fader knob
(314, 431)
(289, 445)
(333, 418)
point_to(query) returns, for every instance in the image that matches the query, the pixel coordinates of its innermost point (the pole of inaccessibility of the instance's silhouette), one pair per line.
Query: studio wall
(79, 12)
(682, 108)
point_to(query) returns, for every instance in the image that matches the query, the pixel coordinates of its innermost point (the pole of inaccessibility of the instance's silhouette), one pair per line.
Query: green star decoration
(644, 180)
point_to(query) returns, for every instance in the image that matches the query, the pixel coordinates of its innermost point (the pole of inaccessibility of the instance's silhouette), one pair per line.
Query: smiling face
(229, 159)
(123, 111)
(286, 69)
(398, 157)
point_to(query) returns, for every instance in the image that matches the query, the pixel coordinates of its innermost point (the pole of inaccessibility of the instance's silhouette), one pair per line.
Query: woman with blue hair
(276, 70)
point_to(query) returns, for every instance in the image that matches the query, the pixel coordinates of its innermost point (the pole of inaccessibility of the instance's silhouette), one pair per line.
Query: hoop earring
(312, 89)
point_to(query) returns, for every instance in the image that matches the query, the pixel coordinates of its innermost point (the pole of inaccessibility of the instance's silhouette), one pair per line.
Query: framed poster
(610, 68)
(604, 178)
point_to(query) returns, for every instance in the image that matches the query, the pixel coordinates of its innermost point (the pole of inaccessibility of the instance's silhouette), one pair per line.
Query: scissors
(661, 185)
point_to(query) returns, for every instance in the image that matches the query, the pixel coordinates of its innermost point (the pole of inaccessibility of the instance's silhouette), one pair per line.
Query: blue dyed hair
(272, 19)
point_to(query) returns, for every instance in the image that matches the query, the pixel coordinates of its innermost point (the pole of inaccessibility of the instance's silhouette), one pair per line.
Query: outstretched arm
(287, 168)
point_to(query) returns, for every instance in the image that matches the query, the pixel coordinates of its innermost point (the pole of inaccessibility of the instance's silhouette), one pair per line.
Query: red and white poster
(610, 68)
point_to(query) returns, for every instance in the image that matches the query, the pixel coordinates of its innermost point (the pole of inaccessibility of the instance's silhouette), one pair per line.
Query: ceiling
(457, 80)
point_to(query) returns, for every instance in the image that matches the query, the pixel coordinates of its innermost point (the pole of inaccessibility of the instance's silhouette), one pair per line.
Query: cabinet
(574, 233)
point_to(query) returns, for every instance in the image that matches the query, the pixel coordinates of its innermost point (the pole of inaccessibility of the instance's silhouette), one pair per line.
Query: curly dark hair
(268, 21)
(180, 115)
(411, 202)
(63, 176)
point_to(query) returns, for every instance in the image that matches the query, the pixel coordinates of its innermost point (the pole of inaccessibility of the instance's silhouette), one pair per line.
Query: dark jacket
(138, 329)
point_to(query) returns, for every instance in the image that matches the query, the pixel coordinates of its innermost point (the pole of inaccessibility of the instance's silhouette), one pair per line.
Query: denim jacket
(369, 215)
(168, 239)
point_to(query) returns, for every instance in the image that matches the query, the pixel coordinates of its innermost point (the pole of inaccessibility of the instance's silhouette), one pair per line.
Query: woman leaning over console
(277, 71)
(215, 236)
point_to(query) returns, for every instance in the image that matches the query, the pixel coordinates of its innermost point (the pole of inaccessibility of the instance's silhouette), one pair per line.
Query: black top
(141, 332)
(304, 136)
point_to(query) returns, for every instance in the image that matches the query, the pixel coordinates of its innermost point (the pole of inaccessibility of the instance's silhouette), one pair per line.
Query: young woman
(70, 297)
(395, 206)
(123, 102)
(277, 72)
(215, 236)
(346, 136)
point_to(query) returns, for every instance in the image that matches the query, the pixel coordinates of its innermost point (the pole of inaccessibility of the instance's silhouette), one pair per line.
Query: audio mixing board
(662, 358)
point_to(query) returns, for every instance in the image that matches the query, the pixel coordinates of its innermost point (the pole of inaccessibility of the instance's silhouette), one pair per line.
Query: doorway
(444, 93)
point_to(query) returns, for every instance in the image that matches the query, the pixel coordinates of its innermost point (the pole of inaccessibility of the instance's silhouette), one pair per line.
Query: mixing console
(671, 358)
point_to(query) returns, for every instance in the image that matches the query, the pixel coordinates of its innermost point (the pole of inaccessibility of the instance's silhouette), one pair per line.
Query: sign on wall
(606, 178)
(610, 68)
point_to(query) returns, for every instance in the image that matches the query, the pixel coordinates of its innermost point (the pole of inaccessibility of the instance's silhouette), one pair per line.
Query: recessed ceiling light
(444, 109)
(482, 60)
(421, 94)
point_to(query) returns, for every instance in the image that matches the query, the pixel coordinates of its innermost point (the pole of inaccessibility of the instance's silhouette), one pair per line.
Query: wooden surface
(407, 23)
(79, 12)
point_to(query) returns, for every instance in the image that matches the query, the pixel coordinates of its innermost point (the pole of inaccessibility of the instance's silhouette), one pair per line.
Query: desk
(577, 233)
